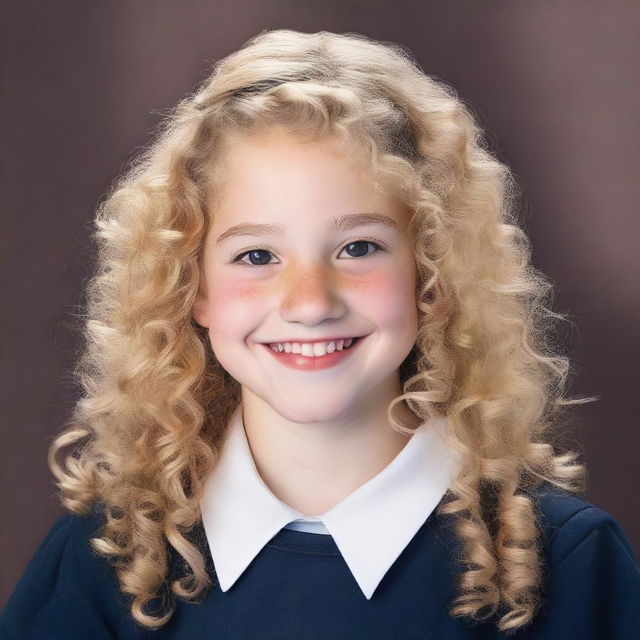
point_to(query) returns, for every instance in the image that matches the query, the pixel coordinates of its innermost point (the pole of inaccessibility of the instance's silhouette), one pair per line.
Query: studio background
(553, 82)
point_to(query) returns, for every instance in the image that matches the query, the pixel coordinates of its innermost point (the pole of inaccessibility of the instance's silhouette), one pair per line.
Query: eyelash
(237, 257)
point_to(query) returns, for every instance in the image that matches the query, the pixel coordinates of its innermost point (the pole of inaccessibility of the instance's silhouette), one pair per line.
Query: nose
(310, 295)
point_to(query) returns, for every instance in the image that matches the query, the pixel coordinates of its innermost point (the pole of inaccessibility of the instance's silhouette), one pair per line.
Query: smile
(313, 356)
(314, 349)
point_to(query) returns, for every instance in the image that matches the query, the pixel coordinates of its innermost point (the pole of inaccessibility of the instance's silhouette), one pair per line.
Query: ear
(200, 311)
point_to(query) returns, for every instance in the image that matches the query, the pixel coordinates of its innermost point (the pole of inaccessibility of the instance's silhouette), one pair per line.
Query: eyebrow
(340, 223)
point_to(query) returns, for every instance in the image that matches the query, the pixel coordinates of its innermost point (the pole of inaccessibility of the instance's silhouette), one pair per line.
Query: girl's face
(287, 259)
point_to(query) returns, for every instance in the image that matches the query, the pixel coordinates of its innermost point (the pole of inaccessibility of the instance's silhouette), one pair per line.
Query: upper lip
(328, 339)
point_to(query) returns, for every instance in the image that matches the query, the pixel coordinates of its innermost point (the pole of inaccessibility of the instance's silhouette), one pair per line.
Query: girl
(319, 394)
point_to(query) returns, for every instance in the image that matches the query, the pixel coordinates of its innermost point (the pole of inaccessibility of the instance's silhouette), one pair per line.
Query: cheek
(388, 296)
(233, 305)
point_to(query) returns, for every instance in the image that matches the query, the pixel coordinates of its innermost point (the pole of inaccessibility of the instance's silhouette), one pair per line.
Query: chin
(317, 411)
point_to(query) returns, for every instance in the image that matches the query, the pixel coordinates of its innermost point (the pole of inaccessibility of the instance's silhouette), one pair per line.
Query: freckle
(373, 281)
(239, 291)
(285, 280)
(248, 291)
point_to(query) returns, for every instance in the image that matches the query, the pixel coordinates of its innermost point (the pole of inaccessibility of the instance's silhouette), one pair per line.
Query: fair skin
(315, 435)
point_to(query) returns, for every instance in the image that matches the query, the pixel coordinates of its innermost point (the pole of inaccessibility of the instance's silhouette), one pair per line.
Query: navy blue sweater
(299, 587)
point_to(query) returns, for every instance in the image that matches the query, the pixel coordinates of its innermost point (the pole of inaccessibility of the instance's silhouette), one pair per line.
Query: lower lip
(315, 363)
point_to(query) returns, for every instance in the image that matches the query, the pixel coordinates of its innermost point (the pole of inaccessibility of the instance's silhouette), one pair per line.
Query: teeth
(312, 349)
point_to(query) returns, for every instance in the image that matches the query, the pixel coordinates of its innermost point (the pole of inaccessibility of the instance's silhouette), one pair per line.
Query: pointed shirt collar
(240, 514)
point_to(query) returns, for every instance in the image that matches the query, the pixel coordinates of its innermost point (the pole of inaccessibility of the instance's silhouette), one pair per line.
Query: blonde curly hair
(149, 426)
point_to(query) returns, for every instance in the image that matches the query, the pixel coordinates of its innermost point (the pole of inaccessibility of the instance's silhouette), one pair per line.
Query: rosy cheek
(371, 284)
(235, 303)
(376, 284)
(386, 294)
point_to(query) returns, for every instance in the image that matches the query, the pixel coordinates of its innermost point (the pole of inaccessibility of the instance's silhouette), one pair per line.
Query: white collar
(240, 514)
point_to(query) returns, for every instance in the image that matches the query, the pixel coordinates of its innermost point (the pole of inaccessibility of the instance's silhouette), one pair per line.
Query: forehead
(277, 154)
(274, 172)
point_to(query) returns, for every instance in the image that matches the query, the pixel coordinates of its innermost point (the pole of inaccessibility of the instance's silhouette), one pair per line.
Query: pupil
(362, 243)
(258, 253)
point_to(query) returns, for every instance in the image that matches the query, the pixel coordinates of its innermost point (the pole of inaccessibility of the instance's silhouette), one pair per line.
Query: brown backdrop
(554, 82)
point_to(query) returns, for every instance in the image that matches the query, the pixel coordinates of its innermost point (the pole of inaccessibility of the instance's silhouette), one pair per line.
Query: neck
(312, 467)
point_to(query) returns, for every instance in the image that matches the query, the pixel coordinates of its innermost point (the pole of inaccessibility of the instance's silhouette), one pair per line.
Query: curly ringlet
(149, 425)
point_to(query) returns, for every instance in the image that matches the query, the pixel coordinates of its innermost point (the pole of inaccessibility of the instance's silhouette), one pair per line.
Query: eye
(251, 252)
(364, 243)
(255, 253)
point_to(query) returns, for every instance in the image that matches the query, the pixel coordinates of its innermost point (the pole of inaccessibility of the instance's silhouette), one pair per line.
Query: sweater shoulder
(66, 589)
(567, 520)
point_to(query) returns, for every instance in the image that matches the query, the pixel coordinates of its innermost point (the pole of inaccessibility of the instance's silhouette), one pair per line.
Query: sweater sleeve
(593, 581)
(66, 591)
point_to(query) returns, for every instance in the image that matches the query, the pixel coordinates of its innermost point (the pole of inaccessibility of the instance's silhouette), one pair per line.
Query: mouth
(311, 362)
(350, 341)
